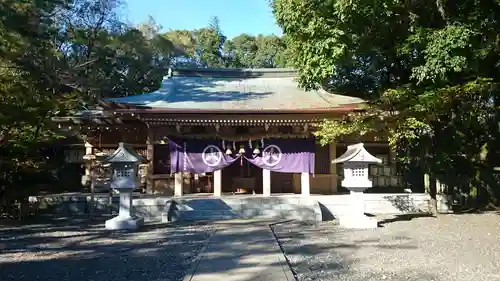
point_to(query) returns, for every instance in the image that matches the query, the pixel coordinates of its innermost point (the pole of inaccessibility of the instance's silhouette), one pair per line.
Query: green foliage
(331, 130)
(255, 51)
(427, 69)
(209, 47)
(63, 54)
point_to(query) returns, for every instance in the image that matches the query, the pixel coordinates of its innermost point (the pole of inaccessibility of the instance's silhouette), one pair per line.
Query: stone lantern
(125, 163)
(355, 163)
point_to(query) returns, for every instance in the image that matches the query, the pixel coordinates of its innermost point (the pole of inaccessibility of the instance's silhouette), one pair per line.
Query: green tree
(150, 28)
(64, 53)
(200, 47)
(427, 69)
(209, 47)
(241, 51)
(209, 43)
(185, 42)
(107, 58)
(259, 51)
(271, 52)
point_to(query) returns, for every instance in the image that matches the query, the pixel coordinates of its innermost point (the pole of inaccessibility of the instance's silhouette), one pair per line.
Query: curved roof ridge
(328, 96)
(235, 72)
(236, 89)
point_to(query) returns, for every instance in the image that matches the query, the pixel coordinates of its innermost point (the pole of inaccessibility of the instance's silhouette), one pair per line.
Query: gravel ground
(79, 250)
(450, 247)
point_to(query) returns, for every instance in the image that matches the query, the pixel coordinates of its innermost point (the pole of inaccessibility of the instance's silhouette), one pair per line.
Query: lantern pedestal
(356, 217)
(125, 219)
(124, 223)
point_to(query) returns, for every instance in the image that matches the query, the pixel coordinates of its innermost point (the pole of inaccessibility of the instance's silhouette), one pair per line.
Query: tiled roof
(235, 89)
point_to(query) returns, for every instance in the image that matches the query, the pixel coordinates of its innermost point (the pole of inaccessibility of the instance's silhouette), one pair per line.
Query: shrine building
(225, 131)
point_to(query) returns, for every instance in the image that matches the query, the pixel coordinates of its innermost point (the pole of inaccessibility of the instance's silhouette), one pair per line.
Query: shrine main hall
(229, 131)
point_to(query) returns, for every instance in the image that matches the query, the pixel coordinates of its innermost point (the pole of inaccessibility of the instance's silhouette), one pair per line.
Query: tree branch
(442, 12)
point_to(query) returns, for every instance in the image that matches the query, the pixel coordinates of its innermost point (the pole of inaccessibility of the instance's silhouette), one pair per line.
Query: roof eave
(340, 109)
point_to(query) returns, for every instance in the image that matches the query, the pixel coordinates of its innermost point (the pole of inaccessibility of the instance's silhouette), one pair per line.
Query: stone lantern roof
(357, 153)
(124, 154)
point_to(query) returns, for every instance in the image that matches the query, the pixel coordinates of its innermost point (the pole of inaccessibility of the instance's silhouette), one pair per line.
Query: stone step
(221, 209)
(198, 209)
(189, 216)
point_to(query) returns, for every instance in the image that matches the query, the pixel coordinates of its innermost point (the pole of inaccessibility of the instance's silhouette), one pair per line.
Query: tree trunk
(432, 189)
(487, 195)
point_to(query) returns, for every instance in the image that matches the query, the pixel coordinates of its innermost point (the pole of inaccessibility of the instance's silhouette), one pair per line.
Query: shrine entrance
(242, 177)
(245, 167)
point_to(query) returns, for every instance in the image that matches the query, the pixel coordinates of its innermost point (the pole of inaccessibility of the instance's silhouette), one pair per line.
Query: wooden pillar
(150, 157)
(218, 183)
(305, 188)
(178, 184)
(333, 168)
(266, 183)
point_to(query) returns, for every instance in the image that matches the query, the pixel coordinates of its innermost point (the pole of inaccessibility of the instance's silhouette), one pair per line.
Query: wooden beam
(150, 158)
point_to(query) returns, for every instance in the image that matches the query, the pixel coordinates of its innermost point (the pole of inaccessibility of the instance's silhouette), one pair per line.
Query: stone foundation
(203, 206)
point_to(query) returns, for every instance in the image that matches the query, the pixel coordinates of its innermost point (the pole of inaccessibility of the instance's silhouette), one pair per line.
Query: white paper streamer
(185, 157)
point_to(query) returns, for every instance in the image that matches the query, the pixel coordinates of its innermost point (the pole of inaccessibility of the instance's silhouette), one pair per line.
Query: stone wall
(315, 207)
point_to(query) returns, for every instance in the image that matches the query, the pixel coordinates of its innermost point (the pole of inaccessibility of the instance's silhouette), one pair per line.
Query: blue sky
(235, 16)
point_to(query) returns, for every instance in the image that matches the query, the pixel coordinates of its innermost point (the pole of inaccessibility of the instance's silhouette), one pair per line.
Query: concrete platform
(209, 207)
(241, 250)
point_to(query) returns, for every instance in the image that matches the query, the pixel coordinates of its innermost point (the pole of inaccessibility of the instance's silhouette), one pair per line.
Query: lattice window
(126, 170)
(358, 171)
(127, 173)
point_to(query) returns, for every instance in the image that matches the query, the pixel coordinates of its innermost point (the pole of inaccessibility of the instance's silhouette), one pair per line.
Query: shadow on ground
(403, 217)
(83, 250)
(312, 256)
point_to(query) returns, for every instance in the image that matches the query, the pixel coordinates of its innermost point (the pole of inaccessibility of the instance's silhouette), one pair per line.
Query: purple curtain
(285, 155)
(277, 155)
(198, 156)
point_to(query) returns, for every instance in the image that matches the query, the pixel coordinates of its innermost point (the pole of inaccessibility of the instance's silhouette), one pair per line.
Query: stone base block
(124, 223)
(167, 217)
(358, 222)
